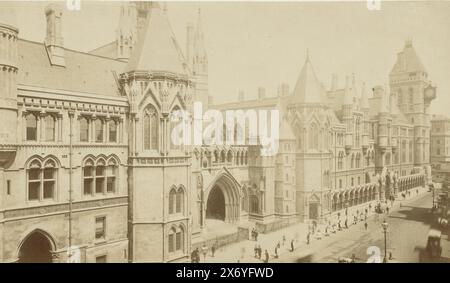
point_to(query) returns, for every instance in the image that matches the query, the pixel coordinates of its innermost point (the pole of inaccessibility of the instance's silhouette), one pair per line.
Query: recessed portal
(36, 249)
(215, 208)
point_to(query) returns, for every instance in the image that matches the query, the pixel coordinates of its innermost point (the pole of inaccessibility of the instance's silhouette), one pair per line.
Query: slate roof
(84, 72)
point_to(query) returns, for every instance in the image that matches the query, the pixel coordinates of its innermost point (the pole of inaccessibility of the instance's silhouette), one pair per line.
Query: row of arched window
(36, 133)
(99, 176)
(239, 158)
(101, 129)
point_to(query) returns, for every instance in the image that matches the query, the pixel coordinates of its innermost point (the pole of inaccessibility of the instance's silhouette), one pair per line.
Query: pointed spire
(348, 99)
(354, 92)
(364, 101)
(308, 89)
(157, 48)
(408, 60)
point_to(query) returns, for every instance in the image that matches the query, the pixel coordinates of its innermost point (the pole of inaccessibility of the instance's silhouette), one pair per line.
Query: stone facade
(86, 157)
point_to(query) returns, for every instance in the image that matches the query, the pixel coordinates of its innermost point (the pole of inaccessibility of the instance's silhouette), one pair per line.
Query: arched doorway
(36, 248)
(223, 200)
(216, 204)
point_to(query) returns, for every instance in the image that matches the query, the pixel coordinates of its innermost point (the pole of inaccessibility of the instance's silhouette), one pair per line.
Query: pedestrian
(339, 225)
(367, 211)
(205, 251)
(292, 245)
(256, 235)
(284, 239)
(346, 225)
(259, 251)
(307, 238)
(193, 256)
(276, 251)
(213, 250)
(365, 225)
(417, 191)
(266, 254)
(256, 250)
(197, 255)
(390, 256)
(387, 210)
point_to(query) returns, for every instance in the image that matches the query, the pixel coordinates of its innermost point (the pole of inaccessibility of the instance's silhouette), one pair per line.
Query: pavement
(321, 248)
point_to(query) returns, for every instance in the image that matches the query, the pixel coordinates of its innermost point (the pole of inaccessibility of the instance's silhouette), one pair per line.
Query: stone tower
(197, 59)
(127, 31)
(409, 82)
(8, 81)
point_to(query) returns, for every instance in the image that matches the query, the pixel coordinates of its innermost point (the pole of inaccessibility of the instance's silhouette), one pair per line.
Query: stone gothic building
(86, 158)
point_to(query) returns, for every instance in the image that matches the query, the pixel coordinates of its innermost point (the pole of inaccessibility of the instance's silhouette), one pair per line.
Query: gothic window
(176, 239)
(172, 198)
(313, 137)
(403, 149)
(358, 157)
(254, 204)
(49, 128)
(175, 119)
(245, 158)
(100, 171)
(31, 122)
(41, 180)
(98, 130)
(112, 125)
(179, 205)
(352, 162)
(111, 176)
(88, 176)
(340, 160)
(150, 128)
(84, 129)
(229, 157)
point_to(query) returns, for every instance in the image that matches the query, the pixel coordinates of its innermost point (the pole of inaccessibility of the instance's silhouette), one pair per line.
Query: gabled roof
(407, 60)
(157, 48)
(308, 89)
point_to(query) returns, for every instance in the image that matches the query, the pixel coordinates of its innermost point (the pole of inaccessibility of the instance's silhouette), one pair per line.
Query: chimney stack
(283, 89)
(261, 93)
(54, 42)
(241, 96)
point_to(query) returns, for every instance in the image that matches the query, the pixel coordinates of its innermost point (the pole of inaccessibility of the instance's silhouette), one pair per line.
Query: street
(406, 233)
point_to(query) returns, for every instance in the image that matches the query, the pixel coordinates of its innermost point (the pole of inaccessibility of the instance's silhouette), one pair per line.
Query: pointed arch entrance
(223, 200)
(37, 247)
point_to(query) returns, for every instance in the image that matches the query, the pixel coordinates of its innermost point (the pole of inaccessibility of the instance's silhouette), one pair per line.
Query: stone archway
(223, 200)
(37, 247)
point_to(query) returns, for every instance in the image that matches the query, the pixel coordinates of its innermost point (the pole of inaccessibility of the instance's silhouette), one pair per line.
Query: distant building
(86, 157)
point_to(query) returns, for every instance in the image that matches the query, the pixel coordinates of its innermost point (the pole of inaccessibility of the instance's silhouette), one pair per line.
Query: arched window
(41, 180)
(176, 239)
(49, 128)
(180, 201)
(111, 176)
(98, 130)
(352, 162)
(175, 119)
(112, 125)
(84, 129)
(313, 137)
(100, 176)
(150, 128)
(254, 204)
(229, 157)
(238, 157)
(222, 156)
(88, 176)
(340, 160)
(31, 127)
(246, 158)
(172, 199)
(242, 158)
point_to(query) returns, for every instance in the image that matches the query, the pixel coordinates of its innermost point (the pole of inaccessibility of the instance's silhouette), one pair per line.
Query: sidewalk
(244, 251)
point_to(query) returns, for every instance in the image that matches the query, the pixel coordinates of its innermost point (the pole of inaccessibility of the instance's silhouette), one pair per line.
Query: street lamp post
(385, 226)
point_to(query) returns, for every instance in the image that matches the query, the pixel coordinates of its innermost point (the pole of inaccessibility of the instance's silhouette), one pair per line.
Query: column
(106, 134)
(60, 127)
(41, 126)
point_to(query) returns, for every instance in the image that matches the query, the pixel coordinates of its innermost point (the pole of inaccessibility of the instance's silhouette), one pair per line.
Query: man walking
(307, 238)
(365, 225)
(292, 245)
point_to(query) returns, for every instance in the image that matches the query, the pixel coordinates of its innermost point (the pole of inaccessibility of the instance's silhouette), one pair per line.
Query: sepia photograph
(228, 132)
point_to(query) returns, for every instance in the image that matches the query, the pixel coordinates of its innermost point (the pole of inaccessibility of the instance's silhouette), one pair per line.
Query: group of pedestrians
(254, 234)
(195, 254)
(258, 253)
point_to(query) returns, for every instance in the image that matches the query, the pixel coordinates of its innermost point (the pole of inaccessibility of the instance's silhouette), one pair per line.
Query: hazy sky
(253, 44)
